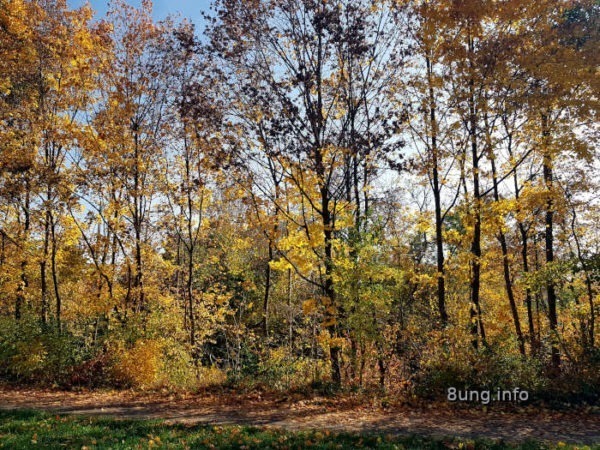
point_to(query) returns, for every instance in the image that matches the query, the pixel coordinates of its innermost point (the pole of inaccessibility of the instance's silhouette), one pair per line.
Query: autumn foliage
(326, 194)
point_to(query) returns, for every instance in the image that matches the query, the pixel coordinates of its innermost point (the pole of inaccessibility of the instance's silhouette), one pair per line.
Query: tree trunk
(524, 246)
(549, 245)
(436, 187)
(43, 269)
(588, 284)
(382, 371)
(331, 316)
(475, 312)
(190, 296)
(290, 312)
(504, 247)
(265, 318)
(271, 239)
(533, 342)
(20, 297)
(54, 271)
(138, 283)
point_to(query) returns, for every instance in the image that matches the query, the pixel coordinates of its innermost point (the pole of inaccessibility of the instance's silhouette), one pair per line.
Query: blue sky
(162, 8)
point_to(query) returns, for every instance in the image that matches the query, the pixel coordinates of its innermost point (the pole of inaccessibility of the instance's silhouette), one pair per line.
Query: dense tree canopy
(358, 192)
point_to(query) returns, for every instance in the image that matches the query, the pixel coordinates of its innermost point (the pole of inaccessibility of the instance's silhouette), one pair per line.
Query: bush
(181, 372)
(282, 371)
(139, 366)
(160, 363)
(94, 372)
(463, 367)
(31, 352)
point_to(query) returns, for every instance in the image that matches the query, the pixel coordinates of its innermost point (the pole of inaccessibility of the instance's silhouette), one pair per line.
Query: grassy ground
(31, 429)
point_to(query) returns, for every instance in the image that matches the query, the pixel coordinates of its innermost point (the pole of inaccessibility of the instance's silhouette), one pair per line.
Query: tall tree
(130, 133)
(317, 68)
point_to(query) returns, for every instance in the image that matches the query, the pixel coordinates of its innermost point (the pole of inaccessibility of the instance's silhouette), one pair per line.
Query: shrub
(32, 352)
(457, 364)
(280, 370)
(141, 365)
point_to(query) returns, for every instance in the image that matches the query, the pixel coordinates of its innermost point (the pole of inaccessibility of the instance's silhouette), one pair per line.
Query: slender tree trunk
(114, 250)
(190, 296)
(353, 366)
(436, 187)
(181, 279)
(138, 282)
(289, 289)
(524, 245)
(475, 312)
(510, 292)
(190, 247)
(504, 247)
(358, 217)
(326, 214)
(54, 271)
(24, 284)
(528, 298)
(271, 251)
(290, 312)
(43, 269)
(190, 254)
(382, 371)
(265, 318)
(3, 250)
(538, 295)
(588, 284)
(549, 244)
(334, 349)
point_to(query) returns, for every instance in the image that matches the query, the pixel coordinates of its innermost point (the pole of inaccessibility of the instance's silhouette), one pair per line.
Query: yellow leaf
(309, 306)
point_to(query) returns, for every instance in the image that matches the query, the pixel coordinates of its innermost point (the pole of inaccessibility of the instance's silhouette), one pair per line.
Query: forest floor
(338, 414)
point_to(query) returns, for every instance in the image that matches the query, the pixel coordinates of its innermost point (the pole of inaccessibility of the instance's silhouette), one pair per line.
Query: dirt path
(582, 427)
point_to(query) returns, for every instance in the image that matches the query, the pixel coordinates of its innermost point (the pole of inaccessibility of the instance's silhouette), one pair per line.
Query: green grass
(31, 429)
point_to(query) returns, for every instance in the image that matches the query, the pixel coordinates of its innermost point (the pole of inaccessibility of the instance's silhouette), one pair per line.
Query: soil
(578, 426)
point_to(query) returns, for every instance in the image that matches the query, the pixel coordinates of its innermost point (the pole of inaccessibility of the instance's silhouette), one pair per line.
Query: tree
(190, 165)
(312, 70)
(551, 95)
(127, 137)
